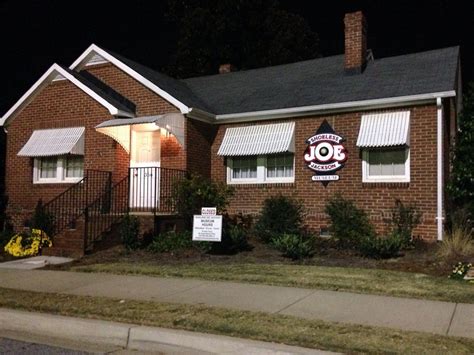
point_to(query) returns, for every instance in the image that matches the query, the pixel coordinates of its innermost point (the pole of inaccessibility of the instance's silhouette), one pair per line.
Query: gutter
(440, 182)
(332, 108)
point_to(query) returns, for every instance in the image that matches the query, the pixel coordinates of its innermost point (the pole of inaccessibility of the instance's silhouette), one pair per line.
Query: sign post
(207, 226)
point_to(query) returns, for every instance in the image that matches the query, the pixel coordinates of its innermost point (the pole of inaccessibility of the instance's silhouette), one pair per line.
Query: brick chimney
(355, 42)
(226, 68)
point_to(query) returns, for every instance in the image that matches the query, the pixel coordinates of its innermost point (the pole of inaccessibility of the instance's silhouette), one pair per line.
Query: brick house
(108, 135)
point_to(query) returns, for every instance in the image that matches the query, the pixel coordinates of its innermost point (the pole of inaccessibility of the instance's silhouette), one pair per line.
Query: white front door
(144, 169)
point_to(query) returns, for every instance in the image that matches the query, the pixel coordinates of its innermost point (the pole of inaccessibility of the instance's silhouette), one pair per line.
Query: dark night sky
(36, 34)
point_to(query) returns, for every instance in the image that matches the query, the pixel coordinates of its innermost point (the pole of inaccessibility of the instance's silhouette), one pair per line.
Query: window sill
(386, 184)
(267, 182)
(57, 182)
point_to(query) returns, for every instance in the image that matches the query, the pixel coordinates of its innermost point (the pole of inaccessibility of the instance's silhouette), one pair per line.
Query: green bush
(349, 224)
(235, 232)
(294, 246)
(194, 192)
(42, 219)
(381, 248)
(171, 241)
(5, 237)
(280, 215)
(404, 219)
(130, 232)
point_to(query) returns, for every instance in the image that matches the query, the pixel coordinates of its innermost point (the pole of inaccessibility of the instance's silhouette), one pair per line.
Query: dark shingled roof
(174, 87)
(312, 82)
(103, 90)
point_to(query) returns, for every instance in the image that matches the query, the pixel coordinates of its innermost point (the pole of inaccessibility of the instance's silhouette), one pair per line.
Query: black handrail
(68, 206)
(151, 189)
(105, 211)
(145, 189)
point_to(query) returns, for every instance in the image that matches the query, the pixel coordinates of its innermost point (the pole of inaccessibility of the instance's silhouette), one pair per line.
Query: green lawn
(375, 281)
(253, 325)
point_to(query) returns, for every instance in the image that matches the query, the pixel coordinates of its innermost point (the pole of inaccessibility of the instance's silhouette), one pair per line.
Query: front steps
(70, 242)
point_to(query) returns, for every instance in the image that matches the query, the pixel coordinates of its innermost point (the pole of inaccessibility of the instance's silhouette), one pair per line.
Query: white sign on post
(207, 228)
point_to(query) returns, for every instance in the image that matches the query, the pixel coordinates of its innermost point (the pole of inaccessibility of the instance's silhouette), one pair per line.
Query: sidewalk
(455, 319)
(97, 336)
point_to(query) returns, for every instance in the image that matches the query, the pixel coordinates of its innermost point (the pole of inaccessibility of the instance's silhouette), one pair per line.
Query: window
(61, 169)
(244, 168)
(279, 166)
(272, 168)
(48, 168)
(387, 165)
(74, 166)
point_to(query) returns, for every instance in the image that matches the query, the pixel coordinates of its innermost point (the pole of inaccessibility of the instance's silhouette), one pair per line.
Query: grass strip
(253, 325)
(371, 281)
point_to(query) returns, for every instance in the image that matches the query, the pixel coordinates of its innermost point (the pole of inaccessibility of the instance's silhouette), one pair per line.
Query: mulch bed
(421, 259)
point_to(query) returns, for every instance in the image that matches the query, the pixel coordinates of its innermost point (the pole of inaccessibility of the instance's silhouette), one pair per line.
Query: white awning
(384, 129)
(119, 128)
(53, 142)
(258, 139)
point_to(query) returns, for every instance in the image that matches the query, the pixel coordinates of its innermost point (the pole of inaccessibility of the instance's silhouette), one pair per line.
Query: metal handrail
(145, 189)
(69, 205)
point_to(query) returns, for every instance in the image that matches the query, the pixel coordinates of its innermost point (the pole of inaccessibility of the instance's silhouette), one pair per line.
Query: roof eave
(45, 79)
(333, 108)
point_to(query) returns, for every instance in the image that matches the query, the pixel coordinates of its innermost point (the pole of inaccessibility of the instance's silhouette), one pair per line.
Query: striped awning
(384, 129)
(53, 142)
(258, 139)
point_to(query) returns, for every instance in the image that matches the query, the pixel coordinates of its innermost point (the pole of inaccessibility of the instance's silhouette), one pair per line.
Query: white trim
(261, 173)
(45, 79)
(440, 182)
(60, 173)
(330, 108)
(366, 178)
(93, 49)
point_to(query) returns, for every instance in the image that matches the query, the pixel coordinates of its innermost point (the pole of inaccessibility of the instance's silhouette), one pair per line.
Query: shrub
(349, 224)
(5, 236)
(458, 243)
(381, 248)
(130, 231)
(194, 192)
(235, 232)
(294, 246)
(280, 215)
(404, 219)
(171, 241)
(42, 219)
(28, 243)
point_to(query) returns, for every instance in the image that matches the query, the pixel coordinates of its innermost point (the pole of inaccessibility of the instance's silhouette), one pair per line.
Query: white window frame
(261, 174)
(384, 178)
(60, 173)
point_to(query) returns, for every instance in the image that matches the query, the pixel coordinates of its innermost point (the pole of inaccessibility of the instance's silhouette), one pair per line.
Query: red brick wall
(147, 103)
(61, 104)
(199, 138)
(376, 199)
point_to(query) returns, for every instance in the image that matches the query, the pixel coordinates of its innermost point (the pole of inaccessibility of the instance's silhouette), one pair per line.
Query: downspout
(440, 184)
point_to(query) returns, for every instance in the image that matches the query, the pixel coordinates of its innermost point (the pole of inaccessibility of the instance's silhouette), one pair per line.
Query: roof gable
(113, 106)
(138, 72)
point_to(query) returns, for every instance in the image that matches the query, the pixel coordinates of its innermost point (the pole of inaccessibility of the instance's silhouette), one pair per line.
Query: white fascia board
(201, 115)
(45, 79)
(93, 49)
(332, 108)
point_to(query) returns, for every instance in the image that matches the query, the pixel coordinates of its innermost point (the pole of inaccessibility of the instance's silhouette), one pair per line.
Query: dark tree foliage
(247, 34)
(461, 185)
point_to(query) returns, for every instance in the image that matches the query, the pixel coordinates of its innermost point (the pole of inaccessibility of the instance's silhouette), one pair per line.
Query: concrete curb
(133, 337)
